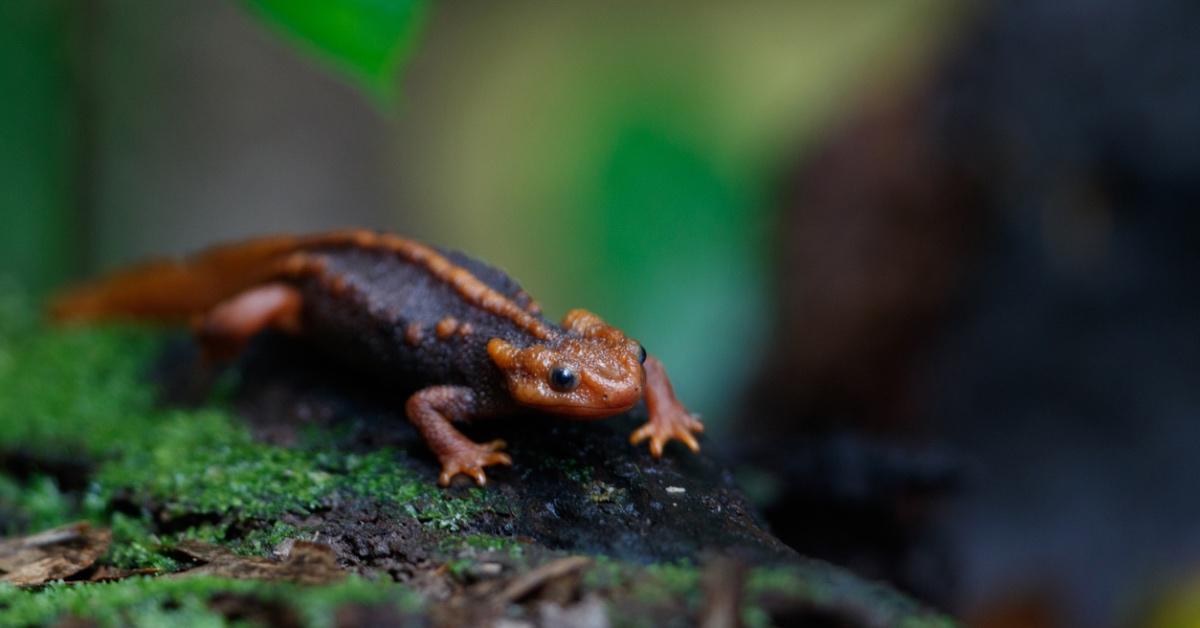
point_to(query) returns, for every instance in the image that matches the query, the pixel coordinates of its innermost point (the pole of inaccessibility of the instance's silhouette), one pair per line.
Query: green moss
(18, 316)
(204, 462)
(473, 545)
(604, 573)
(489, 543)
(36, 504)
(383, 475)
(652, 595)
(755, 617)
(783, 580)
(134, 545)
(185, 602)
(76, 392)
(468, 550)
(652, 585)
(663, 584)
(458, 567)
(571, 468)
(83, 395)
(765, 581)
(262, 541)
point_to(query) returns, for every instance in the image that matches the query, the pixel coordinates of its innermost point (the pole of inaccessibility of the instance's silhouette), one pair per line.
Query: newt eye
(563, 379)
(641, 354)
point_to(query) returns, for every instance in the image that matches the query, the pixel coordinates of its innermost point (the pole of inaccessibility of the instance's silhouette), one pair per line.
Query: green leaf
(366, 39)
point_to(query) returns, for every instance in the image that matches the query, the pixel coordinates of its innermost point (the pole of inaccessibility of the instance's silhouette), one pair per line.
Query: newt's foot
(668, 418)
(470, 460)
(662, 428)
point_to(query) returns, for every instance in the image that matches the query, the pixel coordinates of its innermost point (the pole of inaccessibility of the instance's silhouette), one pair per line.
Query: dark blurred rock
(1011, 272)
(880, 226)
(1069, 378)
(878, 229)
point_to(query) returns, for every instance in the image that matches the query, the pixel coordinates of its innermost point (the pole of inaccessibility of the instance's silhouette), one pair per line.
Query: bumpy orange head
(591, 371)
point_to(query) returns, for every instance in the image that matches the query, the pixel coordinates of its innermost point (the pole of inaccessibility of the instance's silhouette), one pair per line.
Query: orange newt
(464, 334)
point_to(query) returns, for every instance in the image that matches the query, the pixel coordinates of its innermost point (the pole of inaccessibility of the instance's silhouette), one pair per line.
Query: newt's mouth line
(591, 412)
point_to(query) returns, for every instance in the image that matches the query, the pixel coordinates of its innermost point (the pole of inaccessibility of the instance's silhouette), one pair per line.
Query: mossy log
(228, 494)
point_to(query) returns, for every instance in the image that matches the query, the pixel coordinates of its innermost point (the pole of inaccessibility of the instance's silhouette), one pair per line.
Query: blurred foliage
(622, 156)
(37, 142)
(51, 59)
(367, 39)
(618, 156)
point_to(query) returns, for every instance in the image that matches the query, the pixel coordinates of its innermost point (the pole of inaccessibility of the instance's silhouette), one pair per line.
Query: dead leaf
(54, 554)
(528, 582)
(306, 563)
(108, 573)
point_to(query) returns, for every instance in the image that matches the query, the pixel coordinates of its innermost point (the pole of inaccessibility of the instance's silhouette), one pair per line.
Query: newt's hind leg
(431, 410)
(226, 329)
(668, 418)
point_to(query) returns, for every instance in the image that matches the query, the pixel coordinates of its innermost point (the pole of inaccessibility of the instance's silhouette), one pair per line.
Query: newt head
(591, 371)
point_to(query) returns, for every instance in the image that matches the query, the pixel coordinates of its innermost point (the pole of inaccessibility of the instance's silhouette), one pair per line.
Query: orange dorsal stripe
(174, 290)
(468, 286)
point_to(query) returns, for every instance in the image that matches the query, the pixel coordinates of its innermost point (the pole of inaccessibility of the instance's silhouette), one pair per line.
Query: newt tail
(173, 291)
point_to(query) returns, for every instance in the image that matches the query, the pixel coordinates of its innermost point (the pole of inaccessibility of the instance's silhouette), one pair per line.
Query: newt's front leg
(668, 418)
(431, 410)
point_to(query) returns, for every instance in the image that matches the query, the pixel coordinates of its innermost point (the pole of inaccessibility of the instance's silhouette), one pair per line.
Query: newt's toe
(471, 460)
(660, 431)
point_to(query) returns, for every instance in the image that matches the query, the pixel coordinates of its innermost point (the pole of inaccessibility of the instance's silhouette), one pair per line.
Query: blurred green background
(973, 222)
(610, 155)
